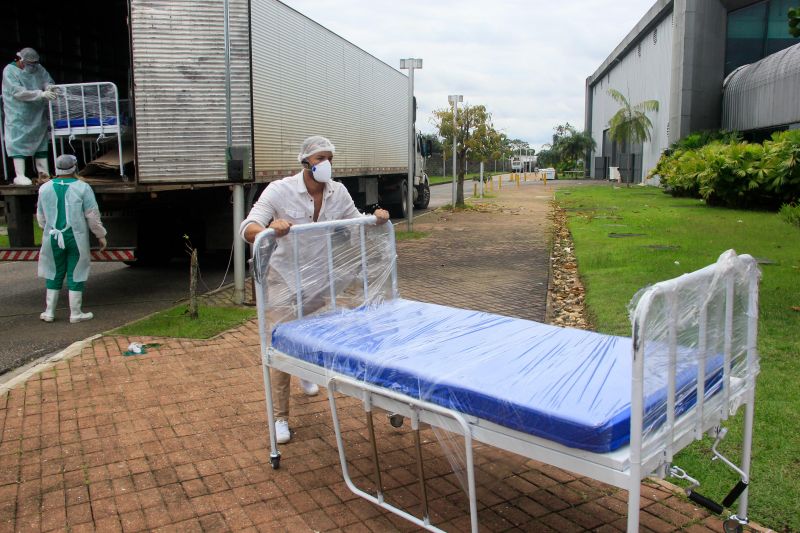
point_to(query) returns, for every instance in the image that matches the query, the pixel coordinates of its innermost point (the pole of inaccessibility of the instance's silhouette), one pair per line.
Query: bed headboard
(694, 355)
(325, 266)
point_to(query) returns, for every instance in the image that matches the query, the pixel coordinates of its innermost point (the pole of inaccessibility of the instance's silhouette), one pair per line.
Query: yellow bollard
(474, 189)
(526, 177)
(500, 183)
(517, 181)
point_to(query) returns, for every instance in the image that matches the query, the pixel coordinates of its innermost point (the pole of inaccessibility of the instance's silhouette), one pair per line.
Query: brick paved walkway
(176, 439)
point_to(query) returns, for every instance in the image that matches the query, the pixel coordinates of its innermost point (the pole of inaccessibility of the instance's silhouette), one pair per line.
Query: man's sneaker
(282, 433)
(309, 388)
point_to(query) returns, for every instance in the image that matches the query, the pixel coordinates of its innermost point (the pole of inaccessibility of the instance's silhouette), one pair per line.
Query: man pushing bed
(309, 196)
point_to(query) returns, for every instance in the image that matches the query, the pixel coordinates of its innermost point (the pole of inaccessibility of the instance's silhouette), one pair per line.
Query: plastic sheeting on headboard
(337, 265)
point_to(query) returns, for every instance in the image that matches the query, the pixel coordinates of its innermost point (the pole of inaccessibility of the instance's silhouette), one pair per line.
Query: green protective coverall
(67, 211)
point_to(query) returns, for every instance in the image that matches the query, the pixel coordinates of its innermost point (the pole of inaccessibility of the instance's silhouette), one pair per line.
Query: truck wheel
(423, 196)
(399, 210)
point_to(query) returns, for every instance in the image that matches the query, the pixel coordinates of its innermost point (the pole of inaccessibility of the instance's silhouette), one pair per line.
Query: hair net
(29, 55)
(314, 145)
(66, 164)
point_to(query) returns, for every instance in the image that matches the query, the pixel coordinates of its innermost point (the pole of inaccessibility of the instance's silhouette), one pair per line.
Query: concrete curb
(14, 377)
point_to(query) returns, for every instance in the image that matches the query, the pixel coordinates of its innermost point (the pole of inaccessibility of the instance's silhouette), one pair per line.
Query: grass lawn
(176, 323)
(680, 235)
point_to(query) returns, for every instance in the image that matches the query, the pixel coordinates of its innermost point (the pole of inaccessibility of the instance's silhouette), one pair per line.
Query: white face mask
(323, 172)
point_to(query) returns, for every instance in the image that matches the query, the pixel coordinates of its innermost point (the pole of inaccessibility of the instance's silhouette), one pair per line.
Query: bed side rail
(325, 266)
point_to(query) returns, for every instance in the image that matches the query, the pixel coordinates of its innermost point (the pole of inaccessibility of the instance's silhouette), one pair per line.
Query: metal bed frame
(60, 109)
(624, 468)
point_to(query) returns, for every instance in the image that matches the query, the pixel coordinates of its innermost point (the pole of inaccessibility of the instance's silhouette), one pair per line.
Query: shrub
(728, 172)
(791, 214)
(698, 139)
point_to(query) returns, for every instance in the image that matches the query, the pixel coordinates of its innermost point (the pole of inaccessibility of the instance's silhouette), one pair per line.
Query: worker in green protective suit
(27, 88)
(67, 211)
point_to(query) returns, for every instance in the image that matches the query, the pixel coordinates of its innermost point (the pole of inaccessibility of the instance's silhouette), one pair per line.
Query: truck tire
(398, 210)
(423, 196)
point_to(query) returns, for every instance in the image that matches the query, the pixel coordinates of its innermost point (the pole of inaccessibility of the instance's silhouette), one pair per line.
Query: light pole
(410, 64)
(455, 99)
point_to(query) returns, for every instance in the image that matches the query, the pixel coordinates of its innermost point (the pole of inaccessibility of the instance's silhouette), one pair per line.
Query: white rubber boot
(75, 302)
(51, 299)
(43, 168)
(19, 168)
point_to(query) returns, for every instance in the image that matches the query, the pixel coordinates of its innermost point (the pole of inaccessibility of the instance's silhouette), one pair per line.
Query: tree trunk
(193, 271)
(460, 187)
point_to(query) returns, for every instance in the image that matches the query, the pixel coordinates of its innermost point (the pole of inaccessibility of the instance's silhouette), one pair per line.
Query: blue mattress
(566, 385)
(81, 123)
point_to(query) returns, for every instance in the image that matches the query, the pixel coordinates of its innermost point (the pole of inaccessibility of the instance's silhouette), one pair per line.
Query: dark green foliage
(794, 21)
(698, 139)
(791, 214)
(730, 173)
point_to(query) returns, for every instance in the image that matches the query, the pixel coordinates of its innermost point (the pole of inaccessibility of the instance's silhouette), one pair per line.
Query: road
(115, 293)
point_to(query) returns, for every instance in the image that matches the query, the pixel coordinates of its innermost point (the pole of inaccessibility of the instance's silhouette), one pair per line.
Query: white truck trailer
(188, 132)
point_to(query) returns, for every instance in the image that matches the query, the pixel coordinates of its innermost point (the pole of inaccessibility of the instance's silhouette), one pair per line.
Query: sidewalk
(176, 440)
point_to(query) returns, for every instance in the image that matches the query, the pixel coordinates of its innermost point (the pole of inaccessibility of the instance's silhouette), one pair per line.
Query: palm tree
(630, 124)
(573, 148)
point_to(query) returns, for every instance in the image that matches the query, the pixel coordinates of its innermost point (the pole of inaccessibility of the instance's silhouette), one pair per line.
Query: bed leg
(634, 494)
(747, 444)
(374, 444)
(275, 455)
(420, 469)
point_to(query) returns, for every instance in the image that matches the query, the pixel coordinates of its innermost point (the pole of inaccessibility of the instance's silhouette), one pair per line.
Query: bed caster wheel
(732, 525)
(396, 420)
(275, 461)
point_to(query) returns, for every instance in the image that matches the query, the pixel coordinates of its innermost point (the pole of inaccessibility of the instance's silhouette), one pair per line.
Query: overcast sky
(525, 60)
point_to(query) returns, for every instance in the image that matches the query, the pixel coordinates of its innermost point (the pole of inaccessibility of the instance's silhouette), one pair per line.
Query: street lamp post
(455, 99)
(410, 64)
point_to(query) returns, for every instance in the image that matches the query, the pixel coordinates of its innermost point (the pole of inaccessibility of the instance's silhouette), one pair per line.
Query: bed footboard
(701, 326)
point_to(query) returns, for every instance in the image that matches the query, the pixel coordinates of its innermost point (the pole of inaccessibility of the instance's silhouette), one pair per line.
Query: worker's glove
(49, 94)
(103, 243)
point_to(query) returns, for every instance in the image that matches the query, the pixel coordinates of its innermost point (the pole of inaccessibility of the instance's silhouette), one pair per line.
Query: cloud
(526, 61)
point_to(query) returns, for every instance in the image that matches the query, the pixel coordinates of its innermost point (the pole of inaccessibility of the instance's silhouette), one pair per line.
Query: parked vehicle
(183, 139)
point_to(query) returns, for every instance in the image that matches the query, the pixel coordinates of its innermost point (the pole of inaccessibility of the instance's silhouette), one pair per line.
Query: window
(778, 36)
(757, 31)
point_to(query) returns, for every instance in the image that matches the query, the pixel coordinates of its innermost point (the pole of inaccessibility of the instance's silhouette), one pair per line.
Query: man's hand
(103, 243)
(382, 216)
(280, 226)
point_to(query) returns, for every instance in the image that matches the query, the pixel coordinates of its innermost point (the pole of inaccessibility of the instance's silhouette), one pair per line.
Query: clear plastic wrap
(85, 105)
(570, 386)
(696, 333)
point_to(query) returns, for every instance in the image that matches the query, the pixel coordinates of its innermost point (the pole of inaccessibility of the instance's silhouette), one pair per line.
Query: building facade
(679, 54)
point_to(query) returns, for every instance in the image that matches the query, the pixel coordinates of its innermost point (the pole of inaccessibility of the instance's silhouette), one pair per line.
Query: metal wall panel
(643, 74)
(178, 51)
(307, 81)
(764, 94)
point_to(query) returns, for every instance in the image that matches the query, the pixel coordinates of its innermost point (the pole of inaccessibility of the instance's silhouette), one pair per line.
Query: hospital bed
(90, 113)
(615, 409)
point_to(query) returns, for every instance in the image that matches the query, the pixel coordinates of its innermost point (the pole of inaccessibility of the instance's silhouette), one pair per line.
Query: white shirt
(289, 199)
